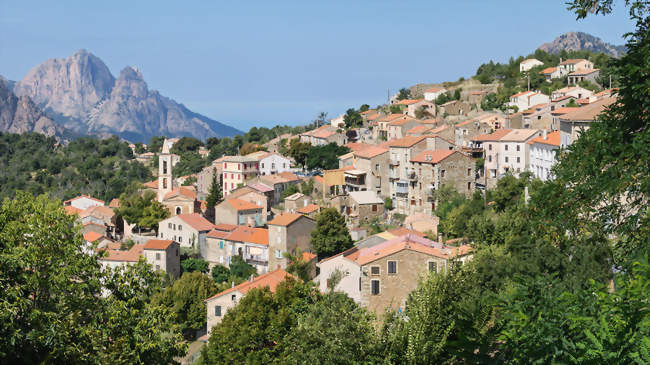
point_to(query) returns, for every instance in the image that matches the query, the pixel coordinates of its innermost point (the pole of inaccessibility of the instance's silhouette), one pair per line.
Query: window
(506, 159)
(490, 158)
(157, 255)
(442, 173)
(165, 183)
(164, 167)
(359, 284)
(180, 239)
(174, 227)
(374, 287)
(506, 147)
(374, 207)
(180, 227)
(469, 172)
(178, 210)
(490, 147)
(374, 270)
(278, 254)
(518, 159)
(157, 267)
(392, 267)
(221, 244)
(518, 148)
(469, 186)
(217, 310)
(169, 225)
(262, 164)
(433, 266)
(233, 297)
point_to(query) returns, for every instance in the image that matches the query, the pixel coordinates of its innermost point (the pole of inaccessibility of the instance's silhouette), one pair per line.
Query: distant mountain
(82, 95)
(21, 115)
(578, 41)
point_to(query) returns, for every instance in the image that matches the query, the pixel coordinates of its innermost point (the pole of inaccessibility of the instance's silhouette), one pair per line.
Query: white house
(526, 99)
(527, 64)
(575, 91)
(542, 154)
(432, 93)
(83, 202)
(273, 163)
(189, 230)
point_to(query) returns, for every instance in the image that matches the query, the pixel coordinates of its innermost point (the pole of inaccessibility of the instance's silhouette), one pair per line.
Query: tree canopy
(331, 235)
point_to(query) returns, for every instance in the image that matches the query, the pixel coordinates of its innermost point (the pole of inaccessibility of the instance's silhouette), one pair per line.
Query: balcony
(412, 176)
(402, 187)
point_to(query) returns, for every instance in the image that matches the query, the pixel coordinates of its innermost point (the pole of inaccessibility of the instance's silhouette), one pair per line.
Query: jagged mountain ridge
(21, 115)
(81, 94)
(579, 41)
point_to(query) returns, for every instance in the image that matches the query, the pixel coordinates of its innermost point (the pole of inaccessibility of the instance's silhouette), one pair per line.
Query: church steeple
(165, 179)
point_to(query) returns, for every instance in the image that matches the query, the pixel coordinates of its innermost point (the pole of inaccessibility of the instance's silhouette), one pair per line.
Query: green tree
(299, 151)
(334, 330)
(331, 235)
(395, 109)
(290, 190)
(298, 266)
(142, 209)
(51, 302)
(192, 264)
(403, 94)
(388, 203)
(364, 108)
(214, 195)
(185, 298)
(352, 119)
(220, 273)
(156, 143)
(186, 144)
(325, 157)
(241, 269)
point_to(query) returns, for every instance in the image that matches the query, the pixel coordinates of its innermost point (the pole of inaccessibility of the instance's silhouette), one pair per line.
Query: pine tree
(214, 196)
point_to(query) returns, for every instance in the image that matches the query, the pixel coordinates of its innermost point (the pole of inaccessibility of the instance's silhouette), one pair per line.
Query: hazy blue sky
(267, 62)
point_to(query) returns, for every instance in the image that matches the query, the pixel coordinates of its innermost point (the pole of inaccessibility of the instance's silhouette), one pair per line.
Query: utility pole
(528, 82)
(387, 96)
(610, 81)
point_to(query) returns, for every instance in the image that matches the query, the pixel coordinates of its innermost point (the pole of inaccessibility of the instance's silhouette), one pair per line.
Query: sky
(263, 63)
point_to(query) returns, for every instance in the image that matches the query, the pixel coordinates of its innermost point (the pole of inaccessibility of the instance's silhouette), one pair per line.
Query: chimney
(545, 134)
(232, 285)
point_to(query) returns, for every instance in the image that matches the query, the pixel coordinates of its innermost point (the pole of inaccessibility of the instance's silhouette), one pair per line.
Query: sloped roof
(157, 244)
(285, 219)
(434, 89)
(433, 156)
(270, 280)
(308, 209)
(552, 139)
(225, 227)
(239, 204)
(582, 72)
(520, 135)
(92, 236)
(294, 196)
(250, 234)
(494, 136)
(196, 221)
(71, 210)
(418, 129)
(370, 152)
(572, 61)
(548, 70)
(407, 141)
(132, 255)
(261, 187)
(84, 196)
(589, 112)
(151, 184)
(182, 191)
(366, 197)
(402, 231)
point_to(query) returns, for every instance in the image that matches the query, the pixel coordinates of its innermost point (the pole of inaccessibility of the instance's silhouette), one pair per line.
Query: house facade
(542, 154)
(289, 233)
(189, 230)
(163, 255)
(239, 212)
(236, 171)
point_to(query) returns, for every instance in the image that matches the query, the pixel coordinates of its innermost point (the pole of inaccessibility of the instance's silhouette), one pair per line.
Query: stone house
(239, 212)
(455, 107)
(220, 303)
(413, 105)
(381, 276)
(419, 130)
(468, 129)
(310, 211)
(251, 244)
(279, 183)
(435, 168)
(572, 124)
(216, 250)
(400, 172)
(296, 201)
(476, 97)
(189, 230)
(380, 132)
(445, 131)
(397, 128)
(576, 91)
(526, 99)
(551, 73)
(289, 232)
(323, 135)
(163, 255)
(204, 177)
(181, 200)
(373, 161)
(363, 207)
(578, 76)
(251, 194)
(537, 117)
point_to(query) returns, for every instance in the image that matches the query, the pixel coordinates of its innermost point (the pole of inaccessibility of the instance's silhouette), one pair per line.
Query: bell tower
(165, 180)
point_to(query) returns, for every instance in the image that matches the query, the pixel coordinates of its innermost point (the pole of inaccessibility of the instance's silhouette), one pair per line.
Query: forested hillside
(37, 164)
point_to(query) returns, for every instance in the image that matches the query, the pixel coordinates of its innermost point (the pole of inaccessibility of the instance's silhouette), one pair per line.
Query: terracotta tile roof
(530, 60)
(407, 141)
(478, 92)
(409, 242)
(157, 244)
(92, 236)
(419, 129)
(115, 203)
(523, 93)
(294, 196)
(355, 146)
(572, 61)
(151, 184)
(261, 187)
(564, 110)
(369, 111)
(71, 210)
(132, 255)
(218, 234)
(182, 191)
(520, 135)
(250, 234)
(239, 204)
(308, 256)
(409, 101)
(548, 70)
(319, 179)
(225, 227)
(196, 221)
(439, 129)
(433, 156)
(391, 117)
(401, 121)
(494, 136)
(589, 112)
(308, 209)
(270, 280)
(370, 152)
(285, 219)
(84, 196)
(552, 139)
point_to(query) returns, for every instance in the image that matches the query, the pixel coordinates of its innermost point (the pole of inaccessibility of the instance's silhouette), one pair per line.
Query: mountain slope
(83, 96)
(578, 41)
(21, 115)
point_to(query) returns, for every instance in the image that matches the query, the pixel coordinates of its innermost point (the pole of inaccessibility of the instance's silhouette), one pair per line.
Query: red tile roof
(92, 236)
(196, 221)
(433, 156)
(494, 136)
(157, 244)
(370, 152)
(552, 139)
(132, 255)
(270, 280)
(183, 191)
(250, 234)
(225, 227)
(404, 231)
(239, 204)
(285, 219)
(308, 209)
(407, 141)
(71, 210)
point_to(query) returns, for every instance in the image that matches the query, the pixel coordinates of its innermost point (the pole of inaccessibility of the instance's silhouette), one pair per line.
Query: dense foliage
(51, 303)
(331, 235)
(37, 164)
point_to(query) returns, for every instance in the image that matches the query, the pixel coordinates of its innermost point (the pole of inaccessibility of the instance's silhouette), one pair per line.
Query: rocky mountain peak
(578, 41)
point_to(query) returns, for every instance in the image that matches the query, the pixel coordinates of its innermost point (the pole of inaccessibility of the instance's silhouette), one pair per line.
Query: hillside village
(266, 205)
